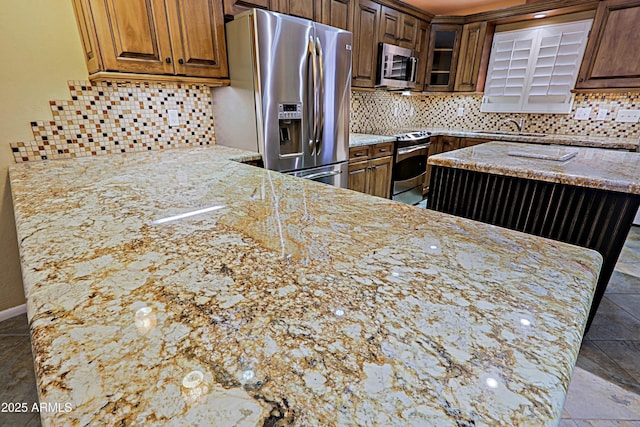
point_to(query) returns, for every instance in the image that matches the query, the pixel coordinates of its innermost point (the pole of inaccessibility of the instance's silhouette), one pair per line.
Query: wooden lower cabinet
(370, 169)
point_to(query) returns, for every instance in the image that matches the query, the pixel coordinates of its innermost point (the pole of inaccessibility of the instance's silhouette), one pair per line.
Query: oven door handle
(413, 148)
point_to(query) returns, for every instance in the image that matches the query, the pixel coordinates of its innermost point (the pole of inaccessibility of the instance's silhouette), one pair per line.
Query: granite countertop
(590, 167)
(181, 287)
(361, 139)
(573, 140)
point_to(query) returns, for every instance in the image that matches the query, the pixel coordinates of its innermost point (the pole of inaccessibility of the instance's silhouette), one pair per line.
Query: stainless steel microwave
(397, 68)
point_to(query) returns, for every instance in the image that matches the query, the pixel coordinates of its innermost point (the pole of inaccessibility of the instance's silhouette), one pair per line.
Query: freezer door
(333, 52)
(286, 91)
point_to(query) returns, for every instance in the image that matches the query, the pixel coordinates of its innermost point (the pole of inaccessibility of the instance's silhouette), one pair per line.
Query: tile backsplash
(108, 117)
(374, 110)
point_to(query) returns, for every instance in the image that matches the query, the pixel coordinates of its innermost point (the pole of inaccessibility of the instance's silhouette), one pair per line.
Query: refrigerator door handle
(314, 80)
(320, 96)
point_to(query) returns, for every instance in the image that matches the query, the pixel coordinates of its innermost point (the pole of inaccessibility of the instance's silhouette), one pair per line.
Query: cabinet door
(365, 43)
(233, 7)
(471, 44)
(380, 177)
(197, 37)
(444, 44)
(611, 59)
(134, 35)
(389, 25)
(470, 142)
(449, 143)
(338, 13)
(87, 35)
(308, 9)
(422, 46)
(358, 176)
(408, 31)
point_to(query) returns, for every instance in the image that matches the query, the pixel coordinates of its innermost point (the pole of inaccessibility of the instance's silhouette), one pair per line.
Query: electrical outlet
(460, 111)
(628, 116)
(395, 112)
(602, 114)
(582, 113)
(411, 111)
(173, 118)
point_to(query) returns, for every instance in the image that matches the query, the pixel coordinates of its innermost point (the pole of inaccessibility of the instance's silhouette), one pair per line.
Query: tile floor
(604, 389)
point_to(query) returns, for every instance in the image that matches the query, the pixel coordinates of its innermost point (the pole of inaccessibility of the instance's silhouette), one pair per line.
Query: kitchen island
(583, 196)
(184, 288)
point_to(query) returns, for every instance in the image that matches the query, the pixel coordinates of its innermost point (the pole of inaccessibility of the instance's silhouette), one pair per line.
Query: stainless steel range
(410, 166)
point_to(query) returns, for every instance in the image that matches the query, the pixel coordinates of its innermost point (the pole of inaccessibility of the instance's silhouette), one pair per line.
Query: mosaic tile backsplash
(108, 117)
(105, 118)
(372, 110)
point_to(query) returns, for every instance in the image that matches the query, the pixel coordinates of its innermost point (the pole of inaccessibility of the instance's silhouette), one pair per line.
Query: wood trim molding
(132, 77)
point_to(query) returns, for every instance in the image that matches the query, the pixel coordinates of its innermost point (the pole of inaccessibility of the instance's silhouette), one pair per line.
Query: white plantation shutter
(534, 69)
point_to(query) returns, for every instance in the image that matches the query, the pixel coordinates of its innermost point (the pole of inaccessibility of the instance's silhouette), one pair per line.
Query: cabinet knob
(581, 80)
(180, 61)
(168, 60)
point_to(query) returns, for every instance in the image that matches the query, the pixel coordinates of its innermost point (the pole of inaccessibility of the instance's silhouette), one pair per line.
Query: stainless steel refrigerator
(289, 94)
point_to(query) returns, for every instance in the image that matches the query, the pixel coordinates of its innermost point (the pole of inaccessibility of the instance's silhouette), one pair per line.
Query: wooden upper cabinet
(470, 56)
(338, 13)
(87, 36)
(308, 9)
(365, 43)
(389, 25)
(197, 37)
(442, 61)
(133, 36)
(163, 38)
(611, 58)
(234, 7)
(422, 49)
(398, 28)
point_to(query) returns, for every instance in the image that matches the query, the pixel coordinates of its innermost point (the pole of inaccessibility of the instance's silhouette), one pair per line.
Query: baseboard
(13, 312)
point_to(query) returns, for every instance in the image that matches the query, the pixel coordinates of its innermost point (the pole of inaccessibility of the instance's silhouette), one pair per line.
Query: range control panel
(290, 111)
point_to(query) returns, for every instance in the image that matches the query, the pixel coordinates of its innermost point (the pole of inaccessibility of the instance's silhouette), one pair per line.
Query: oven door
(409, 173)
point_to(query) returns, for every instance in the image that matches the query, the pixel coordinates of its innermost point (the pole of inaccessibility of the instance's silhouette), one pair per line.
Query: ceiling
(462, 7)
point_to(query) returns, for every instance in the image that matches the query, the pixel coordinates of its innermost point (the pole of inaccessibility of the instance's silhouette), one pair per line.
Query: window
(533, 70)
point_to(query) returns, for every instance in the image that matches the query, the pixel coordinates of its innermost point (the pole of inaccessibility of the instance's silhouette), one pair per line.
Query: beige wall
(40, 50)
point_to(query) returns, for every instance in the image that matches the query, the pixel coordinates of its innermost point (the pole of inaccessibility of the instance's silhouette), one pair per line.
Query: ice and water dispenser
(290, 125)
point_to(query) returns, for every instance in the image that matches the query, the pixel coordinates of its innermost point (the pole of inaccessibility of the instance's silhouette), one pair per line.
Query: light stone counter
(361, 139)
(591, 167)
(182, 288)
(573, 140)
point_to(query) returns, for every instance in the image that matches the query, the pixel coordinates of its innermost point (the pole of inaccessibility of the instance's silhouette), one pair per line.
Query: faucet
(519, 125)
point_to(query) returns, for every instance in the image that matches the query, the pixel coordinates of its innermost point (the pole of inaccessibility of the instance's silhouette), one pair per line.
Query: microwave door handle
(320, 96)
(414, 69)
(311, 62)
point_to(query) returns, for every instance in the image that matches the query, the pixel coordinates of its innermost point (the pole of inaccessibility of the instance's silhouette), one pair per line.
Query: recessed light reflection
(248, 375)
(339, 312)
(539, 15)
(433, 247)
(188, 214)
(525, 322)
(145, 320)
(491, 382)
(192, 379)
(195, 388)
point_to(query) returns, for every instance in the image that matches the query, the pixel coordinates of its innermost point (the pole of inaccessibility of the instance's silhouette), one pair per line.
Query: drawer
(359, 153)
(382, 150)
